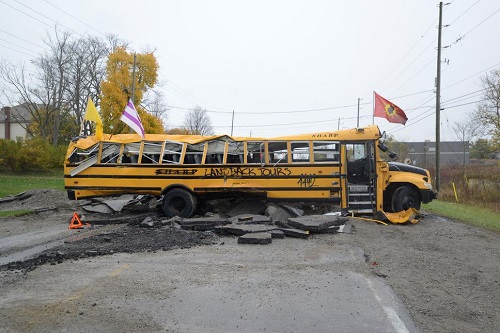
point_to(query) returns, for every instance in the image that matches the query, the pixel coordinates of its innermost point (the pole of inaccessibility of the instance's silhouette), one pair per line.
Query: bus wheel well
(395, 200)
(178, 201)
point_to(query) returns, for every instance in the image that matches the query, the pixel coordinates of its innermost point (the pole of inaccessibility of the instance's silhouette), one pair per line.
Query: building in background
(424, 153)
(14, 121)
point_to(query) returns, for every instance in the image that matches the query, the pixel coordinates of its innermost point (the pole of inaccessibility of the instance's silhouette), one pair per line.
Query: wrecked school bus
(340, 167)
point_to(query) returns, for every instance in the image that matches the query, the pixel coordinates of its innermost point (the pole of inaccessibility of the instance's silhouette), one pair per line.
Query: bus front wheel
(405, 197)
(178, 202)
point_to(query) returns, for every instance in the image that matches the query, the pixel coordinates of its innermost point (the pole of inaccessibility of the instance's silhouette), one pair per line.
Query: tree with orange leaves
(116, 89)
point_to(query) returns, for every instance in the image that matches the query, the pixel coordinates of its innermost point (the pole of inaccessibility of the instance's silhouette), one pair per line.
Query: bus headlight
(428, 185)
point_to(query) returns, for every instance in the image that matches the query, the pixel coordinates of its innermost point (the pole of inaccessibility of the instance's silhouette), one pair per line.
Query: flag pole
(373, 108)
(358, 113)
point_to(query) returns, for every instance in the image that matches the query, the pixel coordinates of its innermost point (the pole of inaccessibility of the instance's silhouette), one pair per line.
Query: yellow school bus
(341, 167)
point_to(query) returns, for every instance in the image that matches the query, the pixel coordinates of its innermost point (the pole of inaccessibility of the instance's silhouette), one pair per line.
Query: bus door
(361, 177)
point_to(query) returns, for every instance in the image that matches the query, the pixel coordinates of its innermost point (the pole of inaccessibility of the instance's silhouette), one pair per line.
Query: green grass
(11, 184)
(473, 215)
(11, 213)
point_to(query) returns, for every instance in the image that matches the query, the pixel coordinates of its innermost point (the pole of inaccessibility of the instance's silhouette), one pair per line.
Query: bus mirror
(383, 137)
(393, 155)
(382, 147)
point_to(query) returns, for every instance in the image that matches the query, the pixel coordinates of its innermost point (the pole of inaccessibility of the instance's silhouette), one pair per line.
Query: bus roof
(371, 132)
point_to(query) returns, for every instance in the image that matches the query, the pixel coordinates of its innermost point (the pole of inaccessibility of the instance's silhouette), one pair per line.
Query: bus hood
(396, 166)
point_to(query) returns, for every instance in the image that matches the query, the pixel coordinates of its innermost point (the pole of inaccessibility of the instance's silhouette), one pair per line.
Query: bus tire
(178, 202)
(405, 197)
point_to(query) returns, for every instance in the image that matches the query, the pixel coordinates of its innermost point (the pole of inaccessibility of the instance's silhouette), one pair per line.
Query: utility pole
(232, 124)
(358, 112)
(438, 100)
(133, 79)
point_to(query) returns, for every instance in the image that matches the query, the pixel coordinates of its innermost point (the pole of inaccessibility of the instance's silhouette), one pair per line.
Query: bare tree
(467, 131)
(86, 71)
(56, 93)
(154, 102)
(198, 122)
(488, 112)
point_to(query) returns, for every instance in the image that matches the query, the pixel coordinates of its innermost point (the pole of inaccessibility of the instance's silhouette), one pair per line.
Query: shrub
(30, 155)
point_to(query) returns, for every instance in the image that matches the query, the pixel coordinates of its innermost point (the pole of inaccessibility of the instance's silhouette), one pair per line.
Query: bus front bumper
(428, 195)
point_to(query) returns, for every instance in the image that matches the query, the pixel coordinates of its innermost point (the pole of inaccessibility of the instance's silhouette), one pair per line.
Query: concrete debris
(147, 223)
(277, 214)
(278, 234)
(314, 223)
(248, 206)
(293, 210)
(99, 208)
(290, 232)
(241, 229)
(119, 218)
(255, 238)
(250, 219)
(116, 205)
(345, 228)
(202, 223)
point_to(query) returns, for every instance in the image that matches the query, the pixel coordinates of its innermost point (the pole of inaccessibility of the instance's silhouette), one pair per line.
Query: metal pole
(232, 124)
(373, 108)
(358, 113)
(438, 100)
(133, 80)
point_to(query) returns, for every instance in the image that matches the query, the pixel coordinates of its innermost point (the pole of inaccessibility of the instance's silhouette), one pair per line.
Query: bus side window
(235, 152)
(255, 152)
(131, 152)
(325, 151)
(278, 152)
(215, 152)
(151, 152)
(194, 154)
(110, 152)
(172, 153)
(300, 151)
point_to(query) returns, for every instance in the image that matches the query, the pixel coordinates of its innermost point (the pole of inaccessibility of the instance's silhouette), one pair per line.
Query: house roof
(18, 114)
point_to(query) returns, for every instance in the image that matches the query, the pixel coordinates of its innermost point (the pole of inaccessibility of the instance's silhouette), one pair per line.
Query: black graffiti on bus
(176, 171)
(306, 180)
(247, 172)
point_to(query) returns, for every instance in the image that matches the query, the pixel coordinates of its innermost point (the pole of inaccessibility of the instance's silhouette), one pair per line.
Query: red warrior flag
(388, 110)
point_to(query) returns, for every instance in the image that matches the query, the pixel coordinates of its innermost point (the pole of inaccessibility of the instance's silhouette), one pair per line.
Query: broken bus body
(340, 167)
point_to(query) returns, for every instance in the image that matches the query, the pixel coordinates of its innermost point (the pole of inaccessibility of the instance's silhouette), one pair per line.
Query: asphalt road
(291, 285)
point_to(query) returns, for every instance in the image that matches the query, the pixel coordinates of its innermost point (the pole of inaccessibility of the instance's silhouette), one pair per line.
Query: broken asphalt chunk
(290, 232)
(346, 228)
(255, 238)
(277, 214)
(313, 223)
(202, 223)
(250, 219)
(242, 229)
(278, 234)
(248, 206)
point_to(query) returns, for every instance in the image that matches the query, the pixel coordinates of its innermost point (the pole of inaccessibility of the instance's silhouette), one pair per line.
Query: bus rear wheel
(405, 197)
(178, 202)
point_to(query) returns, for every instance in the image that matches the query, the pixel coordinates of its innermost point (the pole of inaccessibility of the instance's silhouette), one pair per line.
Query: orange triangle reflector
(76, 223)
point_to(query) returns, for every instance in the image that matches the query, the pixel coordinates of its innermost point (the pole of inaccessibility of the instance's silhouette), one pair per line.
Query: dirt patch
(446, 272)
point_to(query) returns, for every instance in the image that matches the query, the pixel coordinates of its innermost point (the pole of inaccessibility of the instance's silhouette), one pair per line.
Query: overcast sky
(288, 66)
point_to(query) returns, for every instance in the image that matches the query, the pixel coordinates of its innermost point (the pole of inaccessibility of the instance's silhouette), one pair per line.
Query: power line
(48, 18)
(84, 23)
(468, 32)
(24, 40)
(10, 48)
(35, 17)
(464, 13)
(22, 47)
